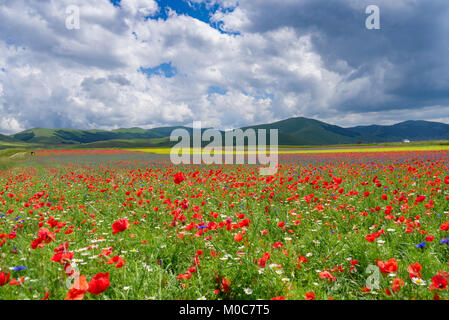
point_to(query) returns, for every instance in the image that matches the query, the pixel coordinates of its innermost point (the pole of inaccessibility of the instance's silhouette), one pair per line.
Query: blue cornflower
(420, 245)
(19, 268)
(444, 241)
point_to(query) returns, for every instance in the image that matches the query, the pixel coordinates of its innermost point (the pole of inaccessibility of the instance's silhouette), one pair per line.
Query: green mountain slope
(412, 130)
(73, 136)
(293, 131)
(304, 131)
(4, 138)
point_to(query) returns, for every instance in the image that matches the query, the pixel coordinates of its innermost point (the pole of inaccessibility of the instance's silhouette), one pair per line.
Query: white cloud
(231, 22)
(140, 7)
(90, 78)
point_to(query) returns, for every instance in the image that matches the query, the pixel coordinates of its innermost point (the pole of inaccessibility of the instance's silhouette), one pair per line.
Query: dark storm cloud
(412, 44)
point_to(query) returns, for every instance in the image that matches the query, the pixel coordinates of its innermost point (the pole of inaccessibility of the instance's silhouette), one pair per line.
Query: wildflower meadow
(112, 224)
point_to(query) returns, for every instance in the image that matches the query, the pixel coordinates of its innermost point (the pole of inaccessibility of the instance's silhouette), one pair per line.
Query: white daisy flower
(418, 281)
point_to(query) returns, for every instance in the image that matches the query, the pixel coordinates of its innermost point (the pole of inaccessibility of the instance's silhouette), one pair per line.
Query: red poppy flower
(120, 225)
(179, 177)
(4, 278)
(238, 237)
(192, 269)
(43, 236)
(225, 285)
(278, 245)
(17, 282)
(389, 266)
(106, 252)
(118, 260)
(310, 295)
(78, 289)
(445, 226)
(186, 275)
(327, 275)
(264, 259)
(398, 283)
(99, 283)
(47, 294)
(414, 270)
(420, 198)
(62, 257)
(439, 281)
(354, 262)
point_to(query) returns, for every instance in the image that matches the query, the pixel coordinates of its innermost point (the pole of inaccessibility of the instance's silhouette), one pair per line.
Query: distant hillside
(74, 136)
(293, 131)
(304, 131)
(7, 138)
(412, 130)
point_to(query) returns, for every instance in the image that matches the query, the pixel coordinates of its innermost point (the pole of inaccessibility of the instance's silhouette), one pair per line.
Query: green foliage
(87, 191)
(292, 132)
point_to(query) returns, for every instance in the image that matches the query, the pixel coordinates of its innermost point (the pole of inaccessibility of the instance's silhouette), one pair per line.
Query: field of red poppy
(128, 225)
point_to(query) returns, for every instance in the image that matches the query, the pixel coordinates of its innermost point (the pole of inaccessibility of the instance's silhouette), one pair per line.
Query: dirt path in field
(18, 155)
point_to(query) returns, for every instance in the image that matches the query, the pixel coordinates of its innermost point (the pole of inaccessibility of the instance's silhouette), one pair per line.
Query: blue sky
(227, 63)
(164, 69)
(198, 10)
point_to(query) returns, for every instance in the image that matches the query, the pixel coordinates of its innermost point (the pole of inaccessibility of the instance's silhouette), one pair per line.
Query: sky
(226, 63)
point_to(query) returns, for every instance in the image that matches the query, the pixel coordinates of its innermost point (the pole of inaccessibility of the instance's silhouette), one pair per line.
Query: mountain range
(294, 131)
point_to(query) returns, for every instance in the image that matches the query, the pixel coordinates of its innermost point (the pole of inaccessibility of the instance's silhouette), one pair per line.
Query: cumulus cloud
(140, 7)
(252, 62)
(400, 65)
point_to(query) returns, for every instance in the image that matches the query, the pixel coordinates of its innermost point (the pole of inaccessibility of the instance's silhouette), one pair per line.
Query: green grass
(12, 157)
(89, 191)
